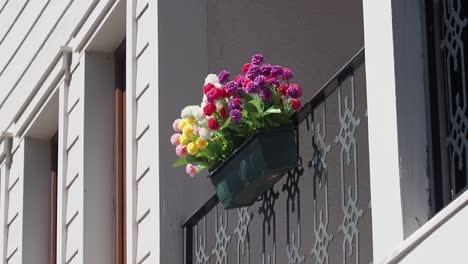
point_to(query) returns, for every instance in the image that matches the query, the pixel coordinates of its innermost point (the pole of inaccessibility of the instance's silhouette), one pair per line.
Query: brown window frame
(120, 157)
(53, 197)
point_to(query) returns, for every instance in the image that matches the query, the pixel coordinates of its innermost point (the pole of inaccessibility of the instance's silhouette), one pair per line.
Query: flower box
(255, 166)
(241, 131)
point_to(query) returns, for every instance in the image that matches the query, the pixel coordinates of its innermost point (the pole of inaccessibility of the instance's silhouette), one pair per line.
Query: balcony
(319, 212)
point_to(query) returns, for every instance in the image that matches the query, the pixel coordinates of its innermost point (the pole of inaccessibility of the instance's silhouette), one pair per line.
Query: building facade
(89, 90)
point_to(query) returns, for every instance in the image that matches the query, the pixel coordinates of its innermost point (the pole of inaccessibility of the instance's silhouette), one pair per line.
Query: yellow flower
(192, 148)
(188, 130)
(201, 143)
(183, 140)
(190, 120)
(182, 124)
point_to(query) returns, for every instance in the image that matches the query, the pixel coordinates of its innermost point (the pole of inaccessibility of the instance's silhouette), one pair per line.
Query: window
(447, 45)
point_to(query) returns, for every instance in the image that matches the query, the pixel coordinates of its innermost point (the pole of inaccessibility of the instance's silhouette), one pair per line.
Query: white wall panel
(21, 29)
(144, 107)
(8, 18)
(144, 72)
(145, 242)
(14, 239)
(141, 5)
(145, 190)
(144, 28)
(74, 202)
(74, 164)
(74, 242)
(142, 140)
(70, 188)
(33, 52)
(14, 64)
(74, 125)
(74, 91)
(12, 209)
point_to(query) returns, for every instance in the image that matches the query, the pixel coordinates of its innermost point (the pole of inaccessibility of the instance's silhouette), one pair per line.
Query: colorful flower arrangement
(261, 98)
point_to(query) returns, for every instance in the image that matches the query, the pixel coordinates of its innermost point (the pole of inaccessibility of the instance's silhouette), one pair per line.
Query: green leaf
(226, 124)
(251, 108)
(193, 159)
(202, 166)
(180, 162)
(273, 110)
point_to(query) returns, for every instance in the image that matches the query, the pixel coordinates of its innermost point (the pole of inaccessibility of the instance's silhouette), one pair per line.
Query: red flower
(239, 78)
(214, 94)
(213, 124)
(296, 104)
(209, 109)
(246, 67)
(223, 113)
(207, 87)
(246, 81)
(224, 92)
(282, 89)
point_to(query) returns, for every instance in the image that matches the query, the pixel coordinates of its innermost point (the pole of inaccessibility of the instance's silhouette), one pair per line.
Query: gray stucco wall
(314, 38)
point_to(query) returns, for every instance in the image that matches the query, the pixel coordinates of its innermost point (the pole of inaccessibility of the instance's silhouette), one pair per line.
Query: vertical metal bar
(188, 244)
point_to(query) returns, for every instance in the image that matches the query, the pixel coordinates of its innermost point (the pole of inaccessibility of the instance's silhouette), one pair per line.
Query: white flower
(212, 78)
(190, 111)
(219, 104)
(187, 112)
(198, 113)
(203, 123)
(204, 101)
(205, 133)
(218, 85)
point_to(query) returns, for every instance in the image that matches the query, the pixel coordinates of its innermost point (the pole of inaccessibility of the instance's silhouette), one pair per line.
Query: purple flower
(251, 88)
(236, 115)
(253, 72)
(287, 74)
(235, 104)
(223, 77)
(273, 81)
(257, 59)
(232, 87)
(294, 90)
(266, 95)
(260, 80)
(265, 69)
(276, 70)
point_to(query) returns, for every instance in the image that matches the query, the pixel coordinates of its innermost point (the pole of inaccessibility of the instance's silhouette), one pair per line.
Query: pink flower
(181, 150)
(175, 125)
(196, 130)
(191, 169)
(175, 139)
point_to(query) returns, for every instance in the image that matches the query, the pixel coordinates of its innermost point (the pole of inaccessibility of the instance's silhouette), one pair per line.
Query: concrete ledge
(427, 229)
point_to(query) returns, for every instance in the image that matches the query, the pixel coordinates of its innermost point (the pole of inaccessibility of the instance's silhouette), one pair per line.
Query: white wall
(142, 133)
(32, 46)
(398, 145)
(98, 158)
(86, 165)
(446, 245)
(12, 181)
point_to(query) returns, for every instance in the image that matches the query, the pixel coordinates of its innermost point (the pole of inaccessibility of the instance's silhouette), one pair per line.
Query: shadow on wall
(314, 38)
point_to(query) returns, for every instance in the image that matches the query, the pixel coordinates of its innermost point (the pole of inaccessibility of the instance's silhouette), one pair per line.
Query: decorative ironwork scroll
(320, 250)
(347, 140)
(455, 21)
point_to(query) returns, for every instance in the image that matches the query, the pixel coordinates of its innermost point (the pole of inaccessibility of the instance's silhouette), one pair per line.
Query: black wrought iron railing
(320, 211)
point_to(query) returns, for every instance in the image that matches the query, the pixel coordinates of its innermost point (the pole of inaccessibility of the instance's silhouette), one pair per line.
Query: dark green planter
(255, 166)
